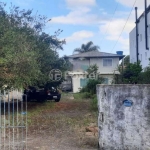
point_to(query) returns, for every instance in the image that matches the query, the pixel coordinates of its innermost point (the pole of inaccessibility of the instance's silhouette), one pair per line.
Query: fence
(13, 121)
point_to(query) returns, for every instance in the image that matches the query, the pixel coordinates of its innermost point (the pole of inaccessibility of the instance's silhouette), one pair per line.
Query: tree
(27, 54)
(89, 46)
(130, 75)
(17, 51)
(93, 70)
(126, 60)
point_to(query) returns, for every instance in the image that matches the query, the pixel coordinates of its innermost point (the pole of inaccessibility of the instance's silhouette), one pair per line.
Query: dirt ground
(61, 126)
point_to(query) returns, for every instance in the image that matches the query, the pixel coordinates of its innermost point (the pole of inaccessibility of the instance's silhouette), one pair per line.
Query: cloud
(116, 27)
(80, 13)
(129, 3)
(77, 17)
(80, 3)
(79, 36)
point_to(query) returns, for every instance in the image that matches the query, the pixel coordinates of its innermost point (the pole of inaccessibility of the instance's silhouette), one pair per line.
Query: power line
(110, 22)
(124, 25)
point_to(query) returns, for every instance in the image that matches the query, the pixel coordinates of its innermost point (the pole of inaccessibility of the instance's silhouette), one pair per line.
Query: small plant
(94, 104)
(91, 86)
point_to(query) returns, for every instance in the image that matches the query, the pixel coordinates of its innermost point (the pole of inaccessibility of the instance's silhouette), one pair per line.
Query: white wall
(77, 69)
(109, 77)
(77, 64)
(102, 69)
(141, 41)
(76, 82)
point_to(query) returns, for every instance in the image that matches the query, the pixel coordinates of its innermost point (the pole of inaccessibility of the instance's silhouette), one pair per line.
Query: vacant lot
(63, 125)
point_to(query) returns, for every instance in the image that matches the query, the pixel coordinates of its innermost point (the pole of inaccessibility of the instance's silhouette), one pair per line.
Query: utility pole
(137, 34)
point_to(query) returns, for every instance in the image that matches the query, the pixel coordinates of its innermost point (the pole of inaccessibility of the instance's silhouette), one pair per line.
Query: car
(41, 95)
(53, 93)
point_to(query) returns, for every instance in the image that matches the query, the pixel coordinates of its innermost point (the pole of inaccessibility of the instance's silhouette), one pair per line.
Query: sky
(104, 22)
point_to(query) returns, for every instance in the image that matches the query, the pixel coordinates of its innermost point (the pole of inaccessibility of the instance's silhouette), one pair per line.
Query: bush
(91, 86)
(145, 76)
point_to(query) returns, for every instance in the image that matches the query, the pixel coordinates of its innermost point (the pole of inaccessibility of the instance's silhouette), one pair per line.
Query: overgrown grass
(94, 105)
(81, 96)
(36, 110)
(91, 97)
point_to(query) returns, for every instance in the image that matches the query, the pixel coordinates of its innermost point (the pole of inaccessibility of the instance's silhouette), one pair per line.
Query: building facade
(107, 64)
(143, 29)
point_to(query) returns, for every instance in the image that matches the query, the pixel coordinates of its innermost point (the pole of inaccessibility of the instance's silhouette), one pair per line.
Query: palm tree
(89, 46)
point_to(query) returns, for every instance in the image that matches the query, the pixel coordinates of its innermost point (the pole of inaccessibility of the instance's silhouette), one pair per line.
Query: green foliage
(89, 46)
(94, 104)
(91, 86)
(83, 95)
(93, 70)
(126, 60)
(132, 72)
(145, 76)
(27, 54)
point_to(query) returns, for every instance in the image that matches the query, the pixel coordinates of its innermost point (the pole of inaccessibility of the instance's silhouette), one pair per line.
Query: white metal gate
(13, 120)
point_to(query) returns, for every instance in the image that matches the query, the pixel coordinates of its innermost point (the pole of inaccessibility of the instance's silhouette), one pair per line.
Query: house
(139, 39)
(107, 66)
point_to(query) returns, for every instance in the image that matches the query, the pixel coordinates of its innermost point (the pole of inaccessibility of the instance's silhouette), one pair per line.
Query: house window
(107, 62)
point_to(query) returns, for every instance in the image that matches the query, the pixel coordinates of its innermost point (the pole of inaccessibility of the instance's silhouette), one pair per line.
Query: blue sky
(87, 20)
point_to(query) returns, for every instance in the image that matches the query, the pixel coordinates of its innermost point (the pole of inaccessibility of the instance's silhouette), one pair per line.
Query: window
(107, 62)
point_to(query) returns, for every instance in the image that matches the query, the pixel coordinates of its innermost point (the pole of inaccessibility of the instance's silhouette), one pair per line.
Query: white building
(107, 66)
(144, 54)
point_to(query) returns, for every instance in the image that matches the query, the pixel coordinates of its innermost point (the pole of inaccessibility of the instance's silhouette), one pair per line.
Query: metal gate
(13, 120)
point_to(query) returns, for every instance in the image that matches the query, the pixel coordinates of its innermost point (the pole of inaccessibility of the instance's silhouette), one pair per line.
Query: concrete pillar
(124, 117)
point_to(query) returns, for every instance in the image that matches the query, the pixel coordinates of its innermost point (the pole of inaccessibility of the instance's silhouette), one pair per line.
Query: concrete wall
(122, 127)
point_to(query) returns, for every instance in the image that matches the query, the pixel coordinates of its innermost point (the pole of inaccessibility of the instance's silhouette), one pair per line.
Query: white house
(140, 40)
(107, 66)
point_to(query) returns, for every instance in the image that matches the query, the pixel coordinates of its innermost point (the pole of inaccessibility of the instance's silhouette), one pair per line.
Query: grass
(69, 116)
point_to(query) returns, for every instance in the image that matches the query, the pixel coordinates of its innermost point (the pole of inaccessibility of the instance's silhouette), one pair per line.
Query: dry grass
(68, 118)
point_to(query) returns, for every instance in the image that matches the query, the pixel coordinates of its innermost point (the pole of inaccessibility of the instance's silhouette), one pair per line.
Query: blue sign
(127, 103)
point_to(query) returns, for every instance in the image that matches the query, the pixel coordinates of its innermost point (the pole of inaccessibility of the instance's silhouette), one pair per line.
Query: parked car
(53, 93)
(42, 95)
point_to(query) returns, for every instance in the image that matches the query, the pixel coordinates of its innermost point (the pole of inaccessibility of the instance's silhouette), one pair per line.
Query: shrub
(91, 86)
